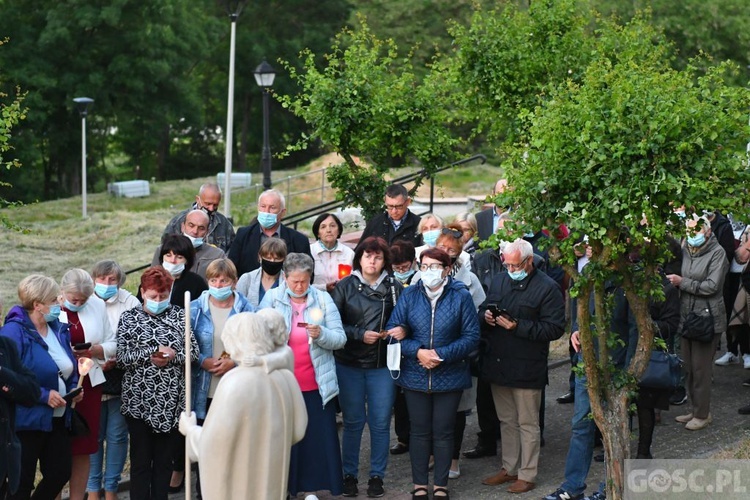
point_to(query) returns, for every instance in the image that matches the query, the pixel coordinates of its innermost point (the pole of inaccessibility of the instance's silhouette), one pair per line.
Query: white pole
(188, 394)
(230, 124)
(83, 163)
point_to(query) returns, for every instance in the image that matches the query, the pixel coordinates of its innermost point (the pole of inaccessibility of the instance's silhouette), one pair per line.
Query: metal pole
(230, 122)
(83, 164)
(266, 156)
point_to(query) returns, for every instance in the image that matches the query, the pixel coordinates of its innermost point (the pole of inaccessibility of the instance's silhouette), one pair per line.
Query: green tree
(605, 155)
(368, 105)
(11, 113)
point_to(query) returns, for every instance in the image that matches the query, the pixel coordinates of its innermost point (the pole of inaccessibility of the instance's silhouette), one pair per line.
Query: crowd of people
(416, 322)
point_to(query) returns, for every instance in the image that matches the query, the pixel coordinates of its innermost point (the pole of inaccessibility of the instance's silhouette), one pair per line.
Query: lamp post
(264, 76)
(83, 108)
(233, 8)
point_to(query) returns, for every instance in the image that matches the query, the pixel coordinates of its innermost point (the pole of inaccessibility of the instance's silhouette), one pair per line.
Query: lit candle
(344, 270)
(316, 318)
(84, 367)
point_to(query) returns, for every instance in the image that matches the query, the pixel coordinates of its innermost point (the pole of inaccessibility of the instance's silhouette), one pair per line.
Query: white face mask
(393, 357)
(432, 278)
(173, 269)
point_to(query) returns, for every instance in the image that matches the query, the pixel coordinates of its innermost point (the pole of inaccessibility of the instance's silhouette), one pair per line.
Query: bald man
(487, 219)
(195, 227)
(220, 230)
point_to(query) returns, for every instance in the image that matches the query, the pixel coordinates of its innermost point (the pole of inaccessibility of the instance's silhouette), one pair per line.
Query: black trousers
(150, 460)
(489, 425)
(52, 451)
(401, 417)
(432, 416)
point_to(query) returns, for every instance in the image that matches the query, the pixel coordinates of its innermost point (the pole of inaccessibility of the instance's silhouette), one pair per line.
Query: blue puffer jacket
(35, 356)
(451, 329)
(203, 329)
(331, 337)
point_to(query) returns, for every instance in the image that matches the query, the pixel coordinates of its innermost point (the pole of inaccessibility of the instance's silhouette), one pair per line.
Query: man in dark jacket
(487, 219)
(397, 222)
(271, 209)
(220, 230)
(523, 313)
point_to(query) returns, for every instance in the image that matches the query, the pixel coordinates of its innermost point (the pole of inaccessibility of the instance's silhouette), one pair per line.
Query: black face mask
(454, 259)
(271, 268)
(208, 212)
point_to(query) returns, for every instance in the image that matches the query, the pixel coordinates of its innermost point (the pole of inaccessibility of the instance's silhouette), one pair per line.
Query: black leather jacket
(363, 308)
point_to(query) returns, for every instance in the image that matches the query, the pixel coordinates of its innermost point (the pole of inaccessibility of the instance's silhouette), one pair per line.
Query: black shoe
(375, 487)
(599, 457)
(678, 397)
(644, 456)
(399, 448)
(745, 410)
(480, 451)
(350, 486)
(179, 487)
(561, 494)
(567, 398)
(746, 383)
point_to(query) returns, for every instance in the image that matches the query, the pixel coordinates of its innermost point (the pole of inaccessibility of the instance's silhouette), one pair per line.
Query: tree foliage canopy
(368, 105)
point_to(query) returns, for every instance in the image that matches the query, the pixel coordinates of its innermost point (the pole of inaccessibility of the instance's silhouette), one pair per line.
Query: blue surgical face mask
(697, 240)
(222, 293)
(295, 295)
(681, 214)
(267, 219)
(404, 276)
(517, 275)
(430, 237)
(72, 307)
(105, 292)
(197, 242)
(155, 307)
(53, 314)
(432, 278)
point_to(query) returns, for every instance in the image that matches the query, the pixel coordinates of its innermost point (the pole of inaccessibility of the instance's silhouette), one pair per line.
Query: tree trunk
(615, 429)
(244, 135)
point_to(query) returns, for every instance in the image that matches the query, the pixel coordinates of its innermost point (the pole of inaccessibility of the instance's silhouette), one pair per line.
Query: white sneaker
(746, 361)
(726, 359)
(454, 474)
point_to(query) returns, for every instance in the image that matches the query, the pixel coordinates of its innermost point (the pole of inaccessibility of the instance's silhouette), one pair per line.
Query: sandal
(414, 495)
(440, 489)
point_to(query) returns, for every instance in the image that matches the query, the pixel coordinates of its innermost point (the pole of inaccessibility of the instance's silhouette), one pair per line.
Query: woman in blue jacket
(44, 345)
(442, 329)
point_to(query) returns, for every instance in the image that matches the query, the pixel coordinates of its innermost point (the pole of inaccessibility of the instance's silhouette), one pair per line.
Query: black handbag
(699, 325)
(78, 425)
(663, 371)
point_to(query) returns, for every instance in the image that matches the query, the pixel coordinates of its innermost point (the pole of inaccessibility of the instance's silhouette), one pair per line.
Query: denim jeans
(366, 395)
(581, 448)
(113, 429)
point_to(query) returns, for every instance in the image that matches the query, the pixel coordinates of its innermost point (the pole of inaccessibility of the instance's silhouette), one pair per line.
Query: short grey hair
(209, 186)
(427, 217)
(77, 281)
(274, 192)
(298, 262)
(107, 267)
(519, 245)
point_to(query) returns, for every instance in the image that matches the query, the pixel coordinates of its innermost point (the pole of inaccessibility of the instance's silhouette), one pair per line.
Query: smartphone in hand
(82, 346)
(72, 394)
(494, 310)
(505, 314)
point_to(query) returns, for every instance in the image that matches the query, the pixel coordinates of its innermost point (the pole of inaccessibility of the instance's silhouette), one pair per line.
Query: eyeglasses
(515, 267)
(452, 232)
(431, 267)
(402, 268)
(391, 208)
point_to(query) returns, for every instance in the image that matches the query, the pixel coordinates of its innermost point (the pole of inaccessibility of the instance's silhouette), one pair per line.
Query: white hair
(520, 245)
(274, 192)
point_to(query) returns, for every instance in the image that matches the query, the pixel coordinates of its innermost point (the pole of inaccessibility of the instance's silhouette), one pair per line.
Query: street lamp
(83, 108)
(264, 75)
(233, 8)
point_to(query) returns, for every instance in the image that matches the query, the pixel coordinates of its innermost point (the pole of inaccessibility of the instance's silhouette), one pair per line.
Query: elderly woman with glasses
(329, 255)
(315, 331)
(442, 329)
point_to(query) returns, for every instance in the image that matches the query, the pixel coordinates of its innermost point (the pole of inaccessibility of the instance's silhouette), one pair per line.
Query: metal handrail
(295, 219)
